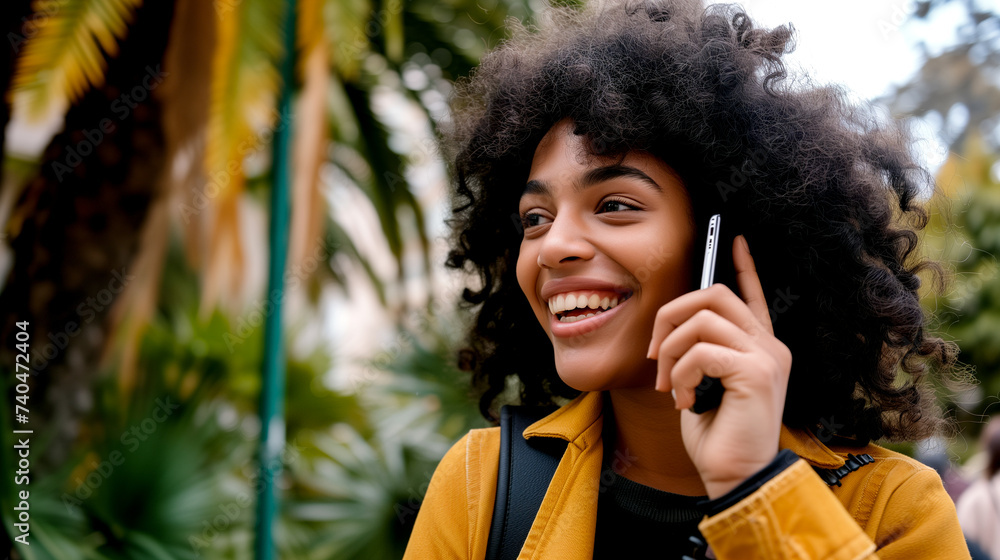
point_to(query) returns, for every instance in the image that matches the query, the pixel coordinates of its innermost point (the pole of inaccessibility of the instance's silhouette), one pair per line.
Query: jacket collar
(571, 421)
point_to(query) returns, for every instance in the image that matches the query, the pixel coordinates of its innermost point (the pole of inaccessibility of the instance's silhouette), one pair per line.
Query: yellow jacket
(894, 508)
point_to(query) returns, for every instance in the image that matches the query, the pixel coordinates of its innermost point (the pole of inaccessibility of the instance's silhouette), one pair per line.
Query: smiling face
(599, 230)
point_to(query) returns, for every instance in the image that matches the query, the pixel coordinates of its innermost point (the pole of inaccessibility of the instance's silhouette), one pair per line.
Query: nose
(567, 240)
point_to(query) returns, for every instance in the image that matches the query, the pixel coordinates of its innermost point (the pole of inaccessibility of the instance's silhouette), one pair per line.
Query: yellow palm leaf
(310, 25)
(241, 123)
(64, 58)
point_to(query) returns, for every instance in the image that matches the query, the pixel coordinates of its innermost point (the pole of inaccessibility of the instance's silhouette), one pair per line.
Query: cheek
(527, 278)
(524, 269)
(661, 263)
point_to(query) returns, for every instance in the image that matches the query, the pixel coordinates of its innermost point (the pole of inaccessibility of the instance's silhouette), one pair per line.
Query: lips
(557, 286)
(584, 326)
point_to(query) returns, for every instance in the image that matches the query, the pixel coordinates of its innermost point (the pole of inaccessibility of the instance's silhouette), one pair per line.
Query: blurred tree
(154, 469)
(360, 495)
(960, 83)
(964, 231)
(958, 88)
(180, 94)
(179, 138)
(74, 230)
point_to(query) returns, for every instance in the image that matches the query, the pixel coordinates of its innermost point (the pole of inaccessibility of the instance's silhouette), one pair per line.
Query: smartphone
(708, 394)
(711, 251)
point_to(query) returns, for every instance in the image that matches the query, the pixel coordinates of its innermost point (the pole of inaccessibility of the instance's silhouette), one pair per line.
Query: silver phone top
(711, 249)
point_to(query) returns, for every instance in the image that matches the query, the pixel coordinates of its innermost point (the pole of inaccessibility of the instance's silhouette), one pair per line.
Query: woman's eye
(615, 205)
(531, 219)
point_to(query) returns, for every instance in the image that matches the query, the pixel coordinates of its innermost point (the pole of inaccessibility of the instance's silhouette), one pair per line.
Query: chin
(583, 383)
(586, 379)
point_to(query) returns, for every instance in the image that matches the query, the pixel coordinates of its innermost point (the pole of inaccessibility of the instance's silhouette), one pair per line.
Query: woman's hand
(713, 332)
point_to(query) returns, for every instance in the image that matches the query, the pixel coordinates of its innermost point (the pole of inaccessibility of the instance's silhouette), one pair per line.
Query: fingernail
(673, 393)
(745, 244)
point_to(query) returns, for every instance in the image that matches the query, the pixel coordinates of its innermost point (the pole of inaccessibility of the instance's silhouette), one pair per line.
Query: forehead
(561, 146)
(565, 157)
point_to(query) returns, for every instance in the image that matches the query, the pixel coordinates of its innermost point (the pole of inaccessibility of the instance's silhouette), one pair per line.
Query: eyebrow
(595, 176)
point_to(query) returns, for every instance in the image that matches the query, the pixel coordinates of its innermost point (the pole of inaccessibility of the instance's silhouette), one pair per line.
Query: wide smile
(588, 321)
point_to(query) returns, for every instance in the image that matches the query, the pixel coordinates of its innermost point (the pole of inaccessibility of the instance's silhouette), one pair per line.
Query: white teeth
(575, 319)
(569, 302)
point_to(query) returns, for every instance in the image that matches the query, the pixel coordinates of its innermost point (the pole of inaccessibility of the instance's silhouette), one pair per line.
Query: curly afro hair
(827, 194)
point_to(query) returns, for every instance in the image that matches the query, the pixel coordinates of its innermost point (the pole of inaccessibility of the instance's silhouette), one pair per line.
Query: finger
(749, 282)
(704, 358)
(704, 326)
(717, 298)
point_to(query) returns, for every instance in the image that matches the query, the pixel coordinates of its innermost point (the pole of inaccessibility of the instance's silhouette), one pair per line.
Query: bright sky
(863, 45)
(860, 43)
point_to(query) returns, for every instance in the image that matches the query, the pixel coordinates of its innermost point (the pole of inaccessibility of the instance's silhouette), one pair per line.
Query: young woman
(590, 153)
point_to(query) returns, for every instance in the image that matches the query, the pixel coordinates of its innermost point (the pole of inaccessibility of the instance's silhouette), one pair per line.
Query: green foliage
(422, 362)
(142, 480)
(146, 480)
(455, 34)
(144, 483)
(965, 233)
(358, 495)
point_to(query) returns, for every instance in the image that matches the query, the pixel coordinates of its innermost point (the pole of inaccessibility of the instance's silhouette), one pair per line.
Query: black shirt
(636, 521)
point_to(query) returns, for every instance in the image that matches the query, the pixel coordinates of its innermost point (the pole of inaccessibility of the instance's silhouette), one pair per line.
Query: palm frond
(344, 21)
(309, 151)
(67, 55)
(241, 122)
(310, 32)
(186, 101)
(392, 34)
(245, 79)
(361, 492)
(347, 247)
(386, 166)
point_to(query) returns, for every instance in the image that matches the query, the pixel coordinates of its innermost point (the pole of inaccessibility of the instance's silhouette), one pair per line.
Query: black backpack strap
(833, 476)
(526, 468)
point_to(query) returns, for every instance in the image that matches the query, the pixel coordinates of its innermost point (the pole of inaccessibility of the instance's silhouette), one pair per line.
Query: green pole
(272, 394)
